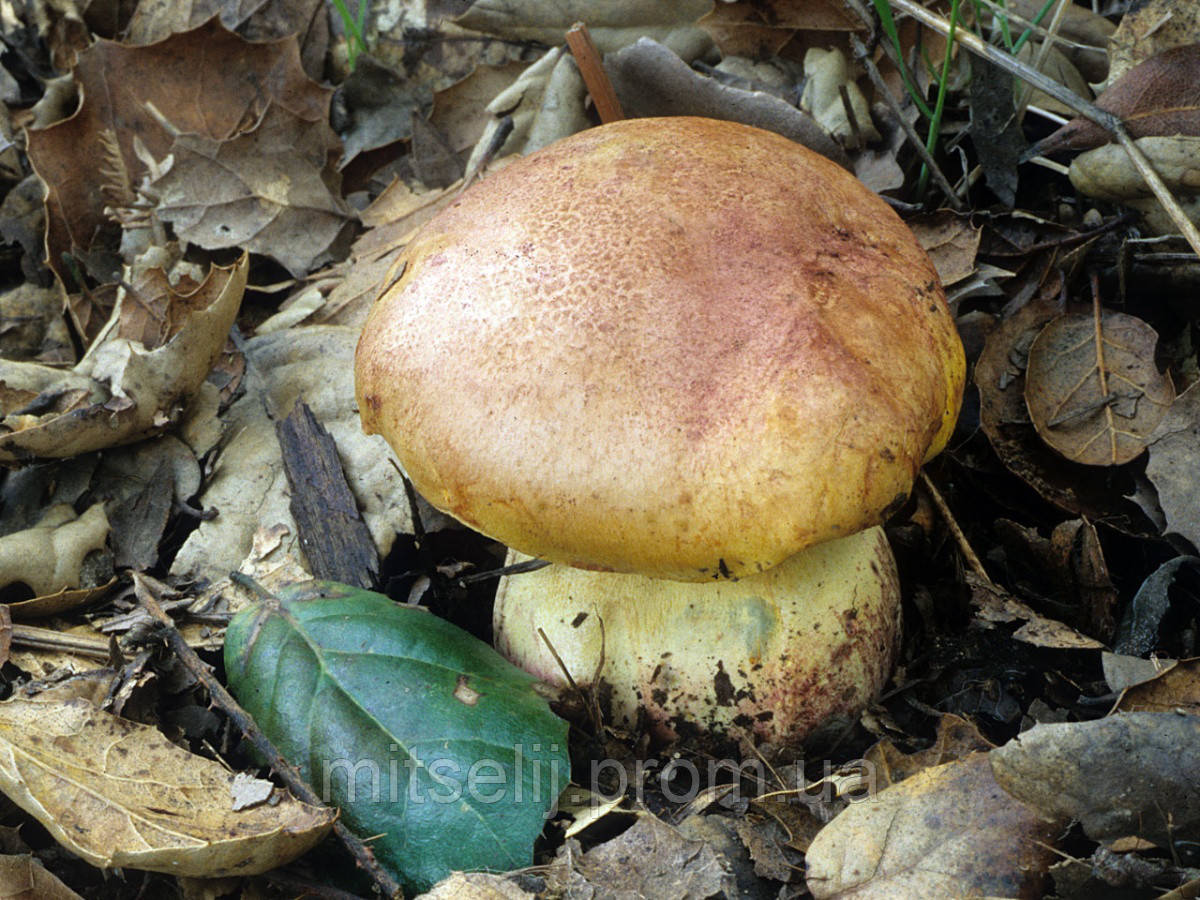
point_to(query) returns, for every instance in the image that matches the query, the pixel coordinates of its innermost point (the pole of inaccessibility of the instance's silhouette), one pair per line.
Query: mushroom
(678, 348)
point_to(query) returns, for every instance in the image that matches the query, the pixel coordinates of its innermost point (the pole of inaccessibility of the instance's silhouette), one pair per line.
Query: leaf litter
(215, 223)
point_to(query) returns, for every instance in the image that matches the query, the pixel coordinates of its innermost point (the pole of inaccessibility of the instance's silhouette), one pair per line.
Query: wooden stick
(286, 771)
(587, 57)
(961, 539)
(939, 178)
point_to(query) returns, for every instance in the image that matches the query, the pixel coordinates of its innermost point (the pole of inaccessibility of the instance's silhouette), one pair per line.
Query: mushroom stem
(777, 655)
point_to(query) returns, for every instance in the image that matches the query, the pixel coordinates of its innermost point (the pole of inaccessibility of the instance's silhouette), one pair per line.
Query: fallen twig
(142, 585)
(587, 57)
(964, 545)
(864, 57)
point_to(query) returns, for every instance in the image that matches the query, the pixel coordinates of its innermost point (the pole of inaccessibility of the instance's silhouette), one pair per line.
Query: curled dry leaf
(951, 241)
(391, 219)
(49, 556)
(248, 487)
(1139, 630)
(612, 24)
(140, 485)
(1131, 774)
(1174, 688)
(1093, 390)
(270, 190)
(956, 738)
(1174, 462)
(544, 103)
(23, 877)
(1160, 96)
(120, 794)
(993, 604)
(122, 390)
(1149, 28)
(208, 82)
(1107, 173)
(827, 75)
(1004, 417)
(650, 80)
(948, 831)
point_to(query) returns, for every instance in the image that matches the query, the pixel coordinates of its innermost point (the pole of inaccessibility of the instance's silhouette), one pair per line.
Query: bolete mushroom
(678, 348)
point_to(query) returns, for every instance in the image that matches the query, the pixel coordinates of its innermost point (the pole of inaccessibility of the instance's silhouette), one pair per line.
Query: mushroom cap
(803, 646)
(680, 347)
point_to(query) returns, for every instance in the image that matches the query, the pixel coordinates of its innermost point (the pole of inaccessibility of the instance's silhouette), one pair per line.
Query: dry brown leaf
(32, 325)
(1160, 96)
(947, 831)
(1004, 417)
(1092, 388)
(207, 82)
(1174, 688)
(951, 241)
(651, 859)
(263, 20)
(58, 602)
(141, 485)
(1150, 28)
(1131, 774)
(460, 112)
(23, 877)
(956, 738)
(120, 794)
(476, 886)
(612, 23)
(1174, 462)
(121, 391)
(994, 604)
(760, 30)
(248, 487)
(48, 557)
(1068, 566)
(271, 190)
(1122, 671)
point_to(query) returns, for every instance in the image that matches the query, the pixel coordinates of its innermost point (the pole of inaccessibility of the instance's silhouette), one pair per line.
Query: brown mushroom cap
(680, 347)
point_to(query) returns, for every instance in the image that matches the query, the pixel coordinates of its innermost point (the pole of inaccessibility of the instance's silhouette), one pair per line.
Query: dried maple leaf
(208, 82)
(266, 190)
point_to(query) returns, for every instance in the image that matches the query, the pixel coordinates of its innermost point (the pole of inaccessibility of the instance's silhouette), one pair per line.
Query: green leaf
(419, 732)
